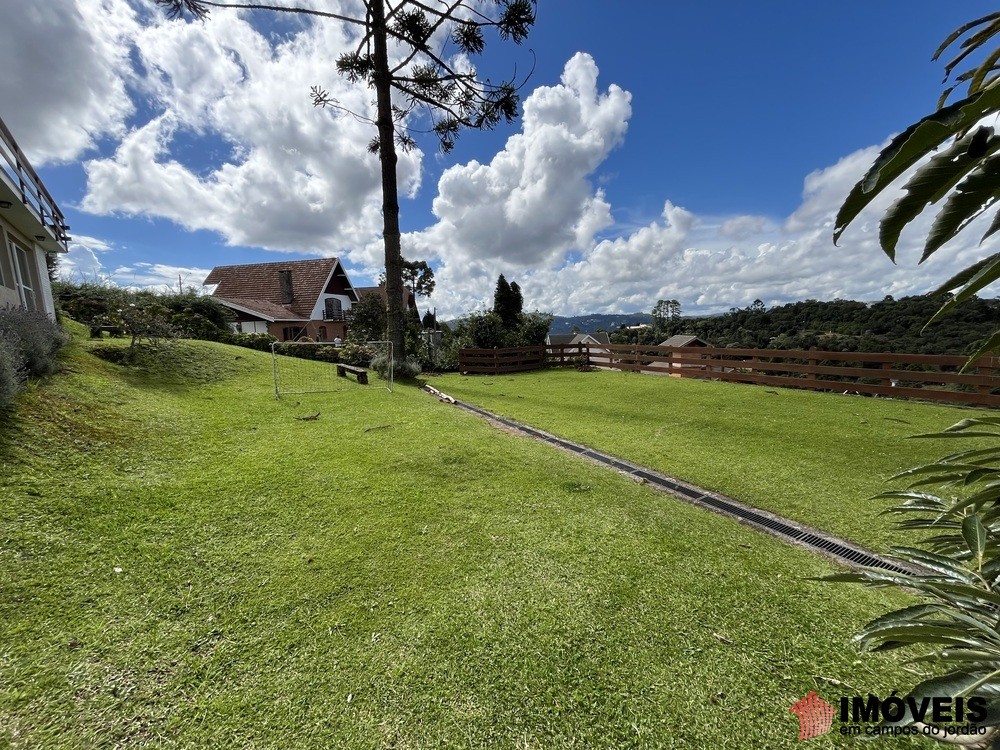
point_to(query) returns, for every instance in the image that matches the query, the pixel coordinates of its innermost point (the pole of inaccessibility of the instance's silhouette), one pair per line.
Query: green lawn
(814, 457)
(184, 564)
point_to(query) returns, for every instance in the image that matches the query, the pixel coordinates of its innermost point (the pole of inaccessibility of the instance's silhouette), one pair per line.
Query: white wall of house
(249, 326)
(320, 308)
(24, 276)
(48, 303)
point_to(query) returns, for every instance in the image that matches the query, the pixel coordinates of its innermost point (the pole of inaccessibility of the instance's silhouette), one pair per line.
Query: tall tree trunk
(390, 189)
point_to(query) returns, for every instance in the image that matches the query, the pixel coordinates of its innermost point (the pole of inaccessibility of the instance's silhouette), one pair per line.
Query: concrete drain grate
(782, 528)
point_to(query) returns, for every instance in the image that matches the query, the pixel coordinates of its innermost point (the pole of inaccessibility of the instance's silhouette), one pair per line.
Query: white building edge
(31, 227)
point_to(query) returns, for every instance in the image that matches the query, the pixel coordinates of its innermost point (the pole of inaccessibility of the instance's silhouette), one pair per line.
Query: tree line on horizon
(890, 325)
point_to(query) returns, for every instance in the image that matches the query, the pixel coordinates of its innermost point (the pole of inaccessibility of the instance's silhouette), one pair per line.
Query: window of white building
(25, 276)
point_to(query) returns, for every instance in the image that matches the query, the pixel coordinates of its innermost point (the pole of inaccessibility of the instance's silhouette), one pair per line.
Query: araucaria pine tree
(418, 74)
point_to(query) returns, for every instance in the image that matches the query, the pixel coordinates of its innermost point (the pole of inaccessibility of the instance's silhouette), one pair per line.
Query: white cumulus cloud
(279, 173)
(65, 74)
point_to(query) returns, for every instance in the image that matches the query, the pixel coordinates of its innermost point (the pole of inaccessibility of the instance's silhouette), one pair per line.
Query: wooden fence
(926, 376)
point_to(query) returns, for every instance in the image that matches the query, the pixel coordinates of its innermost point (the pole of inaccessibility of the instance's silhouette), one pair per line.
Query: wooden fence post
(985, 370)
(813, 363)
(886, 380)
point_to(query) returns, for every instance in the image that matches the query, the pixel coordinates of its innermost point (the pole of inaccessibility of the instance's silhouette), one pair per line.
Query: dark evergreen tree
(504, 304)
(517, 299)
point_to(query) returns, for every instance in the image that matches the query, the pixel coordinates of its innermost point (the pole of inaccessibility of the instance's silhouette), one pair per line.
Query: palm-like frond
(964, 177)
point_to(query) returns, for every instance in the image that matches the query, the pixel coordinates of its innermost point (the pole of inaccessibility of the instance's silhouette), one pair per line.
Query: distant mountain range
(595, 322)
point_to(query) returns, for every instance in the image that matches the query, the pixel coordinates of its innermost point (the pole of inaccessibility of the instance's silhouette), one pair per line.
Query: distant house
(683, 339)
(594, 339)
(594, 342)
(679, 340)
(287, 299)
(31, 228)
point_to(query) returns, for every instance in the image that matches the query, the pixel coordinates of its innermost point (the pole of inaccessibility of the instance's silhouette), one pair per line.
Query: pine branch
(199, 9)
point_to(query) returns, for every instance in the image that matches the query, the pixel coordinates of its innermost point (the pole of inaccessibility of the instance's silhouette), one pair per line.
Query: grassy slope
(393, 574)
(814, 457)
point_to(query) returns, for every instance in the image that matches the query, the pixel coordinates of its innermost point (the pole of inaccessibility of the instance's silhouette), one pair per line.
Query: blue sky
(695, 151)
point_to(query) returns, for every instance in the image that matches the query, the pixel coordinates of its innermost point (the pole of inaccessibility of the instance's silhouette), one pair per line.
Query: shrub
(145, 319)
(190, 315)
(36, 337)
(318, 353)
(90, 302)
(404, 369)
(11, 370)
(359, 355)
(261, 342)
(193, 325)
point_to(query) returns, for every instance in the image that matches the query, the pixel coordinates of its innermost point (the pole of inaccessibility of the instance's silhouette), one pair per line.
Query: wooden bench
(98, 331)
(360, 372)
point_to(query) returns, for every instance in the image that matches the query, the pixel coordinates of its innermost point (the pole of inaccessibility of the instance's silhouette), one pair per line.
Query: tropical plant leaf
(970, 45)
(992, 344)
(975, 536)
(958, 683)
(971, 198)
(905, 614)
(983, 278)
(938, 467)
(932, 182)
(940, 563)
(948, 435)
(962, 277)
(972, 454)
(915, 632)
(961, 591)
(958, 655)
(974, 422)
(912, 145)
(957, 33)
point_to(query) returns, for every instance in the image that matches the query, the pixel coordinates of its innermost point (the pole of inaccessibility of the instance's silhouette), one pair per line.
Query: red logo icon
(815, 716)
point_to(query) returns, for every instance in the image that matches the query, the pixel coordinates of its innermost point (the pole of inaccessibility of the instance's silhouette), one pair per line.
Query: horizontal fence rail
(926, 376)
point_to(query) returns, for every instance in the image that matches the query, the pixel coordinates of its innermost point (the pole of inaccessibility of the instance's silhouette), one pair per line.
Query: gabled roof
(263, 309)
(559, 339)
(555, 339)
(261, 282)
(601, 337)
(683, 340)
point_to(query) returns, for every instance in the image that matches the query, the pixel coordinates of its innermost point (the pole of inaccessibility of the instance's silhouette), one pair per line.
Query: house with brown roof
(31, 228)
(288, 299)
(683, 339)
(595, 343)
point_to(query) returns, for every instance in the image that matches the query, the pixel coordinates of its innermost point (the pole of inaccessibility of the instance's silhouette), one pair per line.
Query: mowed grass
(815, 457)
(184, 564)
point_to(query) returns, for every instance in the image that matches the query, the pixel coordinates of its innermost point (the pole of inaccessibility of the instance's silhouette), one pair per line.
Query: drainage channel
(782, 528)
